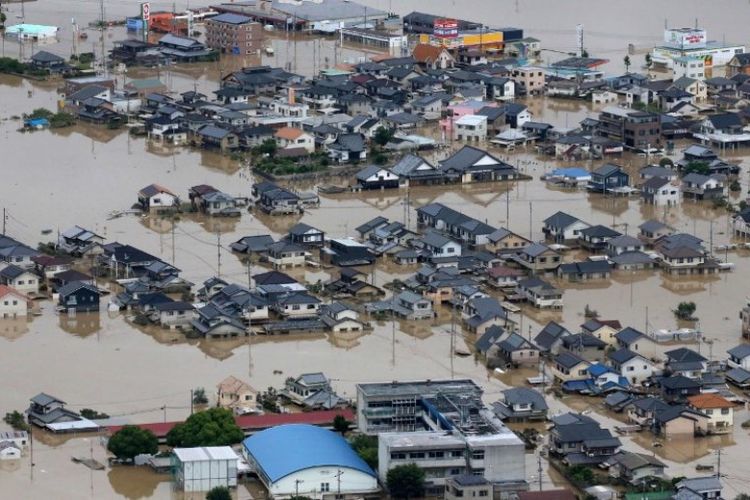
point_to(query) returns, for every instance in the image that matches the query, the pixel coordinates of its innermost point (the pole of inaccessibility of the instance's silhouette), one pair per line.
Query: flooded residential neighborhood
(326, 248)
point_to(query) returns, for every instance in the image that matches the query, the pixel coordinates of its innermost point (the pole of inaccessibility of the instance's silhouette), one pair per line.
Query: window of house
(295, 307)
(725, 411)
(477, 454)
(325, 487)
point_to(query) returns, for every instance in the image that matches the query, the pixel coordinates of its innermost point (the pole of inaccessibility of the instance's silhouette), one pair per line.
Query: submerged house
(156, 197)
(470, 164)
(78, 297)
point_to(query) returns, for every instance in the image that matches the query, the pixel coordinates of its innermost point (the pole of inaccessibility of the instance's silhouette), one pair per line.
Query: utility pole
(507, 208)
(191, 401)
(249, 276)
(539, 468)
(173, 254)
(531, 212)
(718, 464)
(338, 479)
(218, 253)
(5, 218)
(101, 36)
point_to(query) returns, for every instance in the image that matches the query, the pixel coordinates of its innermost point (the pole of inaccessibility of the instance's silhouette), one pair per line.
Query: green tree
(584, 53)
(666, 162)
(735, 186)
(581, 474)
(199, 396)
(626, 62)
(405, 481)
(268, 147)
(367, 449)
(685, 310)
(219, 493)
(649, 61)
(341, 424)
(16, 420)
(130, 441)
(379, 158)
(3, 18)
(213, 427)
(698, 167)
(93, 414)
(383, 136)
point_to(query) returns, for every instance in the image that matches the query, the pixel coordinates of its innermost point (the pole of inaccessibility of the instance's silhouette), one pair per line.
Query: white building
(13, 304)
(201, 469)
(9, 451)
(23, 280)
(689, 67)
(693, 42)
(634, 367)
(19, 438)
(305, 460)
(472, 128)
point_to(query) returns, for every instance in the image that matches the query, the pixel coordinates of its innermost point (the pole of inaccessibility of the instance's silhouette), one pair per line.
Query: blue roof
(571, 172)
(286, 449)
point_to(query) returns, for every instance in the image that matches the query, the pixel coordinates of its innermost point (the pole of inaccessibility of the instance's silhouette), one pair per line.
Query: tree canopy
(341, 424)
(213, 427)
(130, 441)
(405, 481)
(219, 493)
(685, 310)
(367, 449)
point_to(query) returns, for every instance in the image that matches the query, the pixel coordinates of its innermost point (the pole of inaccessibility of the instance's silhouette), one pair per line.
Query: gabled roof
(561, 220)
(623, 355)
(683, 355)
(630, 335)
(524, 395)
(569, 360)
(679, 382)
(709, 400)
(468, 157)
(742, 351)
(489, 338)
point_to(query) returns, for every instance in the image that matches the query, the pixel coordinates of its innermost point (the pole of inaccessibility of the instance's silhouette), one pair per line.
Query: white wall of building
(315, 480)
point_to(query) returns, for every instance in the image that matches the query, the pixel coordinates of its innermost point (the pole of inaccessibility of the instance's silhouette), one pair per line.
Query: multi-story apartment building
(234, 34)
(397, 407)
(445, 429)
(635, 129)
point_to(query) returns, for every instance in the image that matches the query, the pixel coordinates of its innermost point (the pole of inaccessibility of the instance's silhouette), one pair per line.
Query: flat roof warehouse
(304, 13)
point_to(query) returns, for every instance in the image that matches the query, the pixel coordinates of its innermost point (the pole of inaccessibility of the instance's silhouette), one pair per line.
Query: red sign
(445, 28)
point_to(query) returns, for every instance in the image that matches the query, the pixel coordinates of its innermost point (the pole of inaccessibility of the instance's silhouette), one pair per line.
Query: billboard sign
(146, 12)
(446, 28)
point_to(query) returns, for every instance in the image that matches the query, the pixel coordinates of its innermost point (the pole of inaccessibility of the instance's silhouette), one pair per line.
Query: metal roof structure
(286, 449)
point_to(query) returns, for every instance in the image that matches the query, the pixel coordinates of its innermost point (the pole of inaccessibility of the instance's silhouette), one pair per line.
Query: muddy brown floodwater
(54, 179)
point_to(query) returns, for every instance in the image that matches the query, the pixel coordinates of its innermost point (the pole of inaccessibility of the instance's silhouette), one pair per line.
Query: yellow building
(466, 39)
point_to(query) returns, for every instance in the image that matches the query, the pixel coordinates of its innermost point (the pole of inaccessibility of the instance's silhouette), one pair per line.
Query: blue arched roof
(287, 449)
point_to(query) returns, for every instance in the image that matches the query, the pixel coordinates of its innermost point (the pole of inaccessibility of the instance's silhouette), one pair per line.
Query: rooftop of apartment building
(419, 388)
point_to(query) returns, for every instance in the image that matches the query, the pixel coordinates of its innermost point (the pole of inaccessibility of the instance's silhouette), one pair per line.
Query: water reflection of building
(346, 340)
(13, 328)
(81, 324)
(612, 205)
(686, 286)
(158, 224)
